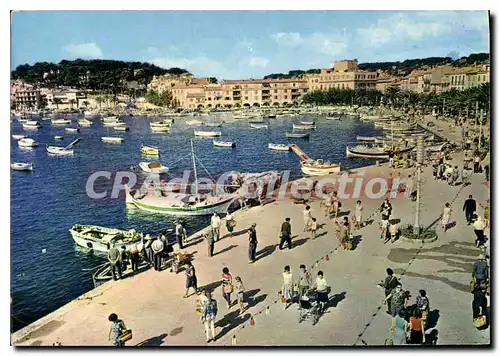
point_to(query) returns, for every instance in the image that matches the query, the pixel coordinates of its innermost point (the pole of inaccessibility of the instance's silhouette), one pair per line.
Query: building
(27, 99)
(344, 75)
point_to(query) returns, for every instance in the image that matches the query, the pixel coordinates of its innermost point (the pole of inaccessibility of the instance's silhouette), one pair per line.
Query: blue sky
(239, 44)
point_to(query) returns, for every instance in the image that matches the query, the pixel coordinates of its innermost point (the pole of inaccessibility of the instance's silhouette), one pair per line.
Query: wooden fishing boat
(207, 133)
(333, 118)
(303, 127)
(19, 166)
(297, 134)
(314, 167)
(259, 126)
(111, 139)
(31, 124)
(279, 147)
(27, 142)
(160, 124)
(101, 239)
(60, 122)
(363, 151)
(63, 151)
(223, 143)
(194, 122)
(150, 150)
(17, 137)
(257, 121)
(89, 113)
(159, 129)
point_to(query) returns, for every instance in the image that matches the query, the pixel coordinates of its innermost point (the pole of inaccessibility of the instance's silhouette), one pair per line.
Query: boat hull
(312, 170)
(294, 135)
(279, 147)
(59, 151)
(207, 133)
(21, 166)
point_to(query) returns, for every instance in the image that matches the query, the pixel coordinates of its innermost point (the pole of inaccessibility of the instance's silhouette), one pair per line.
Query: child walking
(313, 227)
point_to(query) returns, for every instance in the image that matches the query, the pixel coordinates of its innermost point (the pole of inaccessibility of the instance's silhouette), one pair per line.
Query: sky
(245, 44)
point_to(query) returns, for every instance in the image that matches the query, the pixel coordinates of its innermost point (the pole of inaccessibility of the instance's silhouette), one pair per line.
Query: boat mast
(195, 173)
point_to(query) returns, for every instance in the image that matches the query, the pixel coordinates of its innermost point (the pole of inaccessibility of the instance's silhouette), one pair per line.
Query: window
(276, 97)
(275, 90)
(286, 97)
(246, 97)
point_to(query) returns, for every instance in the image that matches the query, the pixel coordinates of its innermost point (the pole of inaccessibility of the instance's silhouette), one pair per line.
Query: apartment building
(344, 75)
(27, 99)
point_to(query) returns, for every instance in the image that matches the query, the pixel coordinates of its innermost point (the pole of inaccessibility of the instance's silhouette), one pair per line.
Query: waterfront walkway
(151, 303)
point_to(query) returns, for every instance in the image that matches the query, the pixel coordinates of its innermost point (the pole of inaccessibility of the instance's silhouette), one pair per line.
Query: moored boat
(58, 138)
(112, 139)
(366, 151)
(303, 127)
(17, 137)
(63, 151)
(314, 167)
(366, 138)
(207, 133)
(212, 124)
(194, 122)
(258, 126)
(121, 128)
(19, 166)
(153, 167)
(31, 124)
(72, 129)
(297, 134)
(279, 147)
(160, 129)
(27, 142)
(150, 150)
(60, 121)
(333, 118)
(84, 122)
(223, 143)
(308, 123)
(102, 238)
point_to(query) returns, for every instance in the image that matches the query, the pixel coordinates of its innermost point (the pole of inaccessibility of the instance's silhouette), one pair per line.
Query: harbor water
(48, 270)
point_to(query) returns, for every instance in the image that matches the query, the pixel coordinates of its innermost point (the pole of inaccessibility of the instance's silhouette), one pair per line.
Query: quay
(151, 302)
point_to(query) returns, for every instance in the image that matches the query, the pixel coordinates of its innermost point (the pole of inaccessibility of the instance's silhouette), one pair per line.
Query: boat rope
(202, 166)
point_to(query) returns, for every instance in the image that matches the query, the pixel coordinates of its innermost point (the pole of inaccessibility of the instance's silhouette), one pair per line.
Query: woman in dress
(423, 305)
(240, 290)
(417, 335)
(230, 224)
(287, 288)
(227, 285)
(399, 329)
(191, 280)
(335, 204)
(446, 216)
(116, 330)
(358, 214)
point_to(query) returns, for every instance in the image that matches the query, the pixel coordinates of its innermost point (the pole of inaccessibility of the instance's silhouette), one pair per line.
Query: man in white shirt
(215, 224)
(307, 217)
(322, 290)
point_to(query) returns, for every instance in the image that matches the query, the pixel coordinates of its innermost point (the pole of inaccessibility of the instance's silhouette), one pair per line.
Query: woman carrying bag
(227, 286)
(118, 333)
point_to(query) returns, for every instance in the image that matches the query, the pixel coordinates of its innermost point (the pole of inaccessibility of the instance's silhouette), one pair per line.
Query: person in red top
(417, 335)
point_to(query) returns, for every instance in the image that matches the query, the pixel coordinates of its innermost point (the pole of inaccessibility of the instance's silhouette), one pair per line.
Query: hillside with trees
(96, 74)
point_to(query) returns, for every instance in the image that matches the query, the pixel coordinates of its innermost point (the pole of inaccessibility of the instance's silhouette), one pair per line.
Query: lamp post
(420, 160)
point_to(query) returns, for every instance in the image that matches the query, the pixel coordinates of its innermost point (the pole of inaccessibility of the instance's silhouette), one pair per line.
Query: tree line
(96, 74)
(451, 102)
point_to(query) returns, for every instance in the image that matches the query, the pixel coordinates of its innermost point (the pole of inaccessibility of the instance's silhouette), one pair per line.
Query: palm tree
(72, 102)
(393, 94)
(57, 101)
(99, 100)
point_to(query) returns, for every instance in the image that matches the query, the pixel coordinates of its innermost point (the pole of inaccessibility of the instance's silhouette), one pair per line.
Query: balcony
(266, 85)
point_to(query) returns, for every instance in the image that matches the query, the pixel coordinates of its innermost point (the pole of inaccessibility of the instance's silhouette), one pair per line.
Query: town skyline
(250, 51)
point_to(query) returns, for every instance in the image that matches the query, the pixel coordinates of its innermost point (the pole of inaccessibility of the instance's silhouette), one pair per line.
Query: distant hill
(398, 68)
(96, 74)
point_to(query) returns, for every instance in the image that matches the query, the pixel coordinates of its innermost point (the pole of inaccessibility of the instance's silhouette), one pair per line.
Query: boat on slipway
(314, 167)
(192, 203)
(279, 147)
(101, 239)
(229, 144)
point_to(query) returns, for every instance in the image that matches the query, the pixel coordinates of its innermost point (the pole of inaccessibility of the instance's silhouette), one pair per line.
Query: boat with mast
(171, 203)
(63, 151)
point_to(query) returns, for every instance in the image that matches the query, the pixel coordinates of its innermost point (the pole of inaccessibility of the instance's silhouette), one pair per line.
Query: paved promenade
(151, 303)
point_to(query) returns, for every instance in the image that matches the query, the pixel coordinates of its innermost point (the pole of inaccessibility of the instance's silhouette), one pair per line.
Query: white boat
(366, 138)
(17, 137)
(223, 143)
(303, 127)
(258, 126)
(150, 150)
(212, 124)
(180, 203)
(102, 238)
(160, 129)
(27, 142)
(60, 121)
(163, 123)
(111, 139)
(207, 133)
(31, 124)
(297, 134)
(366, 151)
(121, 128)
(314, 167)
(72, 129)
(333, 118)
(194, 122)
(84, 122)
(279, 147)
(89, 113)
(18, 166)
(309, 123)
(63, 151)
(113, 122)
(153, 167)
(58, 138)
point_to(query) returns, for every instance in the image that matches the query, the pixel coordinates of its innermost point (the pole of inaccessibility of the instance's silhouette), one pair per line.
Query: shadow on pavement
(431, 338)
(356, 241)
(225, 250)
(334, 300)
(432, 319)
(266, 251)
(154, 341)
(322, 234)
(212, 286)
(296, 243)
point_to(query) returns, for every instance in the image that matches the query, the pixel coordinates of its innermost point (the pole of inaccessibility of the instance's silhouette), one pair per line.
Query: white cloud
(257, 62)
(84, 50)
(322, 43)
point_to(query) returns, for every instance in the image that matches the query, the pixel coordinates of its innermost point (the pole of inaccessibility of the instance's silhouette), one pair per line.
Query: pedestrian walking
(306, 213)
(179, 234)
(390, 283)
(336, 204)
(313, 227)
(477, 161)
(423, 306)
(398, 300)
(215, 224)
(134, 257)
(384, 227)
(252, 243)
(445, 220)
(208, 316)
(117, 330)
(240, 292)
(391, 159)
(417, 334)
(209, 236)
(358, 214)
(393, 230)
(287, 287)
(286, 234)
(386, 208)
(230, 224)
(479, 306)
(480, 274)
(399, 328)
(191, 279)
(479, 231)
(390, 183)
(469, 208)
(304, 282)
(157, 246)
(345, 233)
(227, 286)
(322, 289)
(328, 205)
(114, 262)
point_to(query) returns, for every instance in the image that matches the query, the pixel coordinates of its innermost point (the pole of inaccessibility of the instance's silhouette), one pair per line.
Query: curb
(413, 241)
